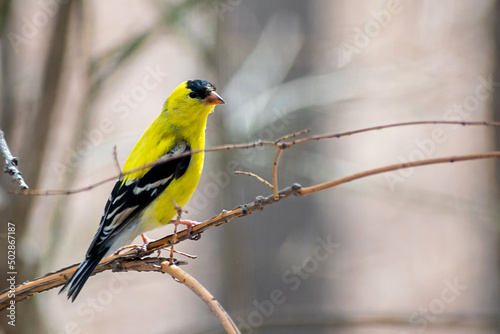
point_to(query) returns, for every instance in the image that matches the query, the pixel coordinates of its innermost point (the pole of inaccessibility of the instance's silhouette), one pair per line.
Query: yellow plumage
(181, 117)
(142, 200)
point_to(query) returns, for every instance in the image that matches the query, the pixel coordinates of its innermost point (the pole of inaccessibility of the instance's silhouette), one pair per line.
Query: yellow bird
(142, 201)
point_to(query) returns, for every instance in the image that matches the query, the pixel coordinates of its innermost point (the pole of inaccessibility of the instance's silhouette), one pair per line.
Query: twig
(176, 224)
(117, 163)
(11, 164)
(330, 184)
(292, 135)
(394, 125)
(212, 303)
(275, 173)
(281, 145)
(239, 172)
(189, 256)
(56, 192)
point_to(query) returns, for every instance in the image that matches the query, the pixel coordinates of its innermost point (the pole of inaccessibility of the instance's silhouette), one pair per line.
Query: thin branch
(275, 173)
(239, 172)
(55, 192)
(292, 135)
(176, 225)
(164, 266)
(385, 169)
(189, 256)
(394, 125)
(115, 158)
(11, 164)
(212, 303)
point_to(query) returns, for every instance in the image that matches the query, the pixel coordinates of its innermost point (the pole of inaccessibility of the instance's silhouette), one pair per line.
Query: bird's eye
(193, 95)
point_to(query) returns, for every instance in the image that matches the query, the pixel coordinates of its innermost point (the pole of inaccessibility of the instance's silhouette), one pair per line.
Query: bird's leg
(142, 248)
(146, 241)
(189, 225)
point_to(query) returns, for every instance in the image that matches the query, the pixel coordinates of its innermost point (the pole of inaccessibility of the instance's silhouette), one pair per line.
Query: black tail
(84, 271)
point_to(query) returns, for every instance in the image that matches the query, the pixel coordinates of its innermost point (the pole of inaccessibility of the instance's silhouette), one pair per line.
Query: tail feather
(82, 274)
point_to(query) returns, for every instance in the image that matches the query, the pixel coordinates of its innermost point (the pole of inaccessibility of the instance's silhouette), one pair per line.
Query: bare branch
(11, 164)
(115, 158)
(165, 266)
(292, 135)
(275, 173)
(214, 306)
(176, 225)
(385, 169)
(394, 125)
(54, 192)
(239, 172)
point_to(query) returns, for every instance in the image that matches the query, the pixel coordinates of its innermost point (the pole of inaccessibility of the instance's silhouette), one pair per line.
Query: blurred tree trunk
(256, 253)
(407, 235)
(29, 140)
(496, 78)
(496, 104)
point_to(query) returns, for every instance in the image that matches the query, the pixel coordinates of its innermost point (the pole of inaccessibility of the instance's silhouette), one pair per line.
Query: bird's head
(201, 91)
(192, 100)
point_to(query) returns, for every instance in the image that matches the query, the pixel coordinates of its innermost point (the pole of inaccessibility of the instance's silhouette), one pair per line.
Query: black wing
(125, 202)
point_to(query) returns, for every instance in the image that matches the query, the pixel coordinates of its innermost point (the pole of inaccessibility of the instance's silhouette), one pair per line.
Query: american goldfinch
(142, 201)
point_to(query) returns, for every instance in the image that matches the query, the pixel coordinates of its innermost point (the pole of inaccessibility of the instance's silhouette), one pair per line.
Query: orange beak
(212, 99)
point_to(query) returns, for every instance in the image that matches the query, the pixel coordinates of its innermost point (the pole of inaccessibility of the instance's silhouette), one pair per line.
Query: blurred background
(411, 251)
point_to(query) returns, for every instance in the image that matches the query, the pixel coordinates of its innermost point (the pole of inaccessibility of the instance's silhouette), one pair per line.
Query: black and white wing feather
(128, 198)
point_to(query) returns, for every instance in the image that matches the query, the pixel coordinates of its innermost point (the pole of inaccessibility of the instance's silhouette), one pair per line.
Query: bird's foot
(189, 228)
(146, 242)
